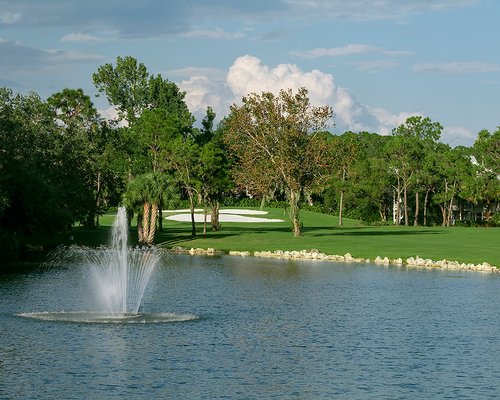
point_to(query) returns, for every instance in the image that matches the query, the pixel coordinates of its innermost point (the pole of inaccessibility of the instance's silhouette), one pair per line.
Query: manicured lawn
(322, 232)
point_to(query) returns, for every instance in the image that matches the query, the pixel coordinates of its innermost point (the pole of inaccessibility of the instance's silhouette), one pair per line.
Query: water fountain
(122, 273)
(119, 275)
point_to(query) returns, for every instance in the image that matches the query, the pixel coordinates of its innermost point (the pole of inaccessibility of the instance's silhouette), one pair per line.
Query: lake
(261, 329)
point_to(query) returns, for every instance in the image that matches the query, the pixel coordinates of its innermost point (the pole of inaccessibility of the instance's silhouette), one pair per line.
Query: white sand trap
(238, 211)
(226, 215)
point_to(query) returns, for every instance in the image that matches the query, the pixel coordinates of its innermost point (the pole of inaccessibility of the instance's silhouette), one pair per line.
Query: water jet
(119, 275)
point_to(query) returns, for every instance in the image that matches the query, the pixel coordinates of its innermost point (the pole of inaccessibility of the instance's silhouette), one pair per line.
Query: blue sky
(374, 62)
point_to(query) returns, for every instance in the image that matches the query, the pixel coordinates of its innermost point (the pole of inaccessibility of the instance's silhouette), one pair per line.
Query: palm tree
(147, 192)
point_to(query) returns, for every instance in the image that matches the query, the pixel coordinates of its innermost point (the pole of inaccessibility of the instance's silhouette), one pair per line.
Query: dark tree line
(61, 162)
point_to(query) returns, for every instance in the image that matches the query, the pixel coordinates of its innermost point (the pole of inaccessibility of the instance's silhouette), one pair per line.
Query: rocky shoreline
(415, 262)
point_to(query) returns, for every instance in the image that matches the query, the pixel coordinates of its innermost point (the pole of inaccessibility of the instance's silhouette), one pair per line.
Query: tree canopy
(61, 162)
(273, 139)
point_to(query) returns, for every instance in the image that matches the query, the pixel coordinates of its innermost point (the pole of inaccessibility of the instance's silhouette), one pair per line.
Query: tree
(487, 150)
(154, 109)
(411, 140)
(83, 136)
(41, 181)
(214, 179)
(213, 169)
(453, 167)
(155, 134)
(147, 191)
(273, 139)
(166, 95)
(484, 186)
(343, 152)
(125, 86)
(182, 156)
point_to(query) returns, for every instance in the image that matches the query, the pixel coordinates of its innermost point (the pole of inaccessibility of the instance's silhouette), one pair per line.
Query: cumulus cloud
(190, 72)
(248, 74)
(388, 120)
(202, 92)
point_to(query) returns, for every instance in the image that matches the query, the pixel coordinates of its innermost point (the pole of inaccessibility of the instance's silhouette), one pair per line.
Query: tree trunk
(450, 211)
(214, 217)
(341, 200)
(160, 217)
(97, 199)
(398, 208)
(205, 212)
(152, 224)
(443, 213)
(341, 206)
(405, 201)
(191, 207)
(140, 230)
(382, 212)
(143, 224)
(263, 202)
(294, 198)
(417, 203)
(425, 206)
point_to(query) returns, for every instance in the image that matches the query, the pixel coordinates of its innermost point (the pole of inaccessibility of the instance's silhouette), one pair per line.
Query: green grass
(322, 232)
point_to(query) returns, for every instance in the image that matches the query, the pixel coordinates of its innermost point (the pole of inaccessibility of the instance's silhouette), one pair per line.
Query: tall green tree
(83, 137)
(273, 138)
(125, 86)
(484, 187)
(411, 141)
(42, 182)
(343, 153)
(183, 159)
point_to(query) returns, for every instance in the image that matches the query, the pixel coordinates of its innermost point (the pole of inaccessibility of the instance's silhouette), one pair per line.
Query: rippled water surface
(260, 329)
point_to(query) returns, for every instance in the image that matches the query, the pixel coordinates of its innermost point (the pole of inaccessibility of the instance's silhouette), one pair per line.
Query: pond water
(260, 329)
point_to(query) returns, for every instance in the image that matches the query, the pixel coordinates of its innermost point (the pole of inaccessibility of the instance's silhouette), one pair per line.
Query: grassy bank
(322, 232)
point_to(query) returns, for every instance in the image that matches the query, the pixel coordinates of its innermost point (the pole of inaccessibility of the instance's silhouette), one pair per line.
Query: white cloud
(202, 92)
(190, 72)
(389, 120)
(9, 18)
(80, 37)
(248, 74)
(454, 135)
(349, 49)
(111, 113)
(458, 67)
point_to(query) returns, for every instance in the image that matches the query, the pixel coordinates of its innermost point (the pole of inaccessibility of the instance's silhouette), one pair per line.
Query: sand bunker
(226, 215)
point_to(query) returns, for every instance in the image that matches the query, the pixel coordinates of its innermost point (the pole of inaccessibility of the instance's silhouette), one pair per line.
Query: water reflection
(266, 329)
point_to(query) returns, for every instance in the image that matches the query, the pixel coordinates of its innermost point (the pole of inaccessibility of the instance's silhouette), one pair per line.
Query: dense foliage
(62, 163)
